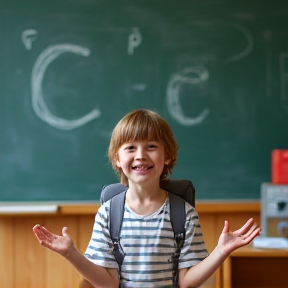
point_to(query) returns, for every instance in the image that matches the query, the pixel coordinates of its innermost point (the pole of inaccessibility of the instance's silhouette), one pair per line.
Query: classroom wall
(216, 71)
(26, 264)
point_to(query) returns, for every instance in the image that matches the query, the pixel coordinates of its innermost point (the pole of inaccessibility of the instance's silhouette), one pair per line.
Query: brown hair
(142, 124)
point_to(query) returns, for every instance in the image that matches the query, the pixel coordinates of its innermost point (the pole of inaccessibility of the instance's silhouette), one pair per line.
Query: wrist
(71, 253)
(222, 252)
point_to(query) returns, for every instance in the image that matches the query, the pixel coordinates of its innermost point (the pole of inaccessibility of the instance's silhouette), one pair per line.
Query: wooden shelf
(255, 252)
(92, 208)
(249, 267)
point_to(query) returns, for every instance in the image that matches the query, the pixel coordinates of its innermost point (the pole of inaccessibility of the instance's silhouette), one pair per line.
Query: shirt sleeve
(194, 249)
(100, 247)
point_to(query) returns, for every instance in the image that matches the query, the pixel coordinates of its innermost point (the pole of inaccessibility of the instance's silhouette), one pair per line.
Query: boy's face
(142, 161)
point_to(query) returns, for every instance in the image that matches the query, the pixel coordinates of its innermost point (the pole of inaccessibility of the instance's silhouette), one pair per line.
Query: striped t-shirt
(148, 243)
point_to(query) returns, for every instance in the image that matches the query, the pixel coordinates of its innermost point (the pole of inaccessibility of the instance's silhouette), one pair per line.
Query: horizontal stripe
(148, 243)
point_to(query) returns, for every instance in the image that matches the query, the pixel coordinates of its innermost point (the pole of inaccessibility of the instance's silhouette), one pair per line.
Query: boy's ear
(167, 162)
(167, 158)
(117, 162)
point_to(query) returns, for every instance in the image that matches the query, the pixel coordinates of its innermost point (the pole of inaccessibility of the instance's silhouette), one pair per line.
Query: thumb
(65, 231)
(226, 227)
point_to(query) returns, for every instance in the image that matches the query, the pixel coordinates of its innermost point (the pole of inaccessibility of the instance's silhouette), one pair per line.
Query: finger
(37, 231)
(253, 227)
(36, 228)
(65, 231)
(43, 235)
(46, 233)
(252, 235)
(39, 235)
(245, 228)
(226, 227)
(250, 231)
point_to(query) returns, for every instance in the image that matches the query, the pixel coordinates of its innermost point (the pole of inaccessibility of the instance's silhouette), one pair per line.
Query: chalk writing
(134, 40)
(194, 75)
(191, 75)
(38, 72)
(28, 36)
(249, 47)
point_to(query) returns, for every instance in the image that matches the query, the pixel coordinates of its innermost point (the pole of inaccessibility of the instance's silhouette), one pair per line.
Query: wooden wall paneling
(28, 257)
(271, 271)
(85, 224)
(236, 220)
(226, 277)
(25, 263)
(6, 252)
(59, 272)
(207, 222)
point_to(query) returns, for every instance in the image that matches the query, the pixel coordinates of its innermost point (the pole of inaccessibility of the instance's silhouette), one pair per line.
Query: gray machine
(274, 210)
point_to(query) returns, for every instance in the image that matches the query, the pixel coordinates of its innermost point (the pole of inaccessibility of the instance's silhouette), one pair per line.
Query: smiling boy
(143, 151)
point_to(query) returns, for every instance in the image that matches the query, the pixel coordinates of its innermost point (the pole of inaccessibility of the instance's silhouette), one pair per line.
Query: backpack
(179, 192)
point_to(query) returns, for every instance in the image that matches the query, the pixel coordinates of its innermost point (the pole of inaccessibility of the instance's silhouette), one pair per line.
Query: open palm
(60, 244)
(229, 241)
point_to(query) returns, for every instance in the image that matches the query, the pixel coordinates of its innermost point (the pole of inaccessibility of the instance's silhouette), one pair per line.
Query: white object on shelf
(270, 242)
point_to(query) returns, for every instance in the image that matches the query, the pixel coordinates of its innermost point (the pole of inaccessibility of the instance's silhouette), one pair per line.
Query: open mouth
(142, 168)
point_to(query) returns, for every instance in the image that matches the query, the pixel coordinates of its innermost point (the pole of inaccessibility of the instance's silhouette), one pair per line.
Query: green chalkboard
(216, 70)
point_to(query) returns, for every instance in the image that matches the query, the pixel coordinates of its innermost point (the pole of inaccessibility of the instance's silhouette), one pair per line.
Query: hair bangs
(140, 127)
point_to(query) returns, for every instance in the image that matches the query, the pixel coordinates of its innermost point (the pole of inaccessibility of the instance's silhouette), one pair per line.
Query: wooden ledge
(250, 251)
(201, 207)
(92, 208)
(228, 207)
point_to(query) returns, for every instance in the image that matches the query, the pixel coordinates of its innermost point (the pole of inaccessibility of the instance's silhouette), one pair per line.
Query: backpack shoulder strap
(116, 214)
(115, 224)
(178, 219)
(111, 190)
(177, 214)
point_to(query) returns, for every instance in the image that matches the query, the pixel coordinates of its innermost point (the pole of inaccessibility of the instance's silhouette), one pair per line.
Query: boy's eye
(130, 147)
(151, 146)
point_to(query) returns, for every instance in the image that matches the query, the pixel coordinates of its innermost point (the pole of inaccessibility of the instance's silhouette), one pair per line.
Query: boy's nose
(140, 154)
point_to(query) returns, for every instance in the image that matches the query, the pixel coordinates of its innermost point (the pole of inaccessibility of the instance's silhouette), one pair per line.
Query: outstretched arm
(62, 244)
(227, 243)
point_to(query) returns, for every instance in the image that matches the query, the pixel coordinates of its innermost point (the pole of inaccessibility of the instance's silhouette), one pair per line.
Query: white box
(274, 210)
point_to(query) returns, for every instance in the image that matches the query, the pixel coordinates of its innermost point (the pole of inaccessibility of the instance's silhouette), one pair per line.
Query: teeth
(141, 167)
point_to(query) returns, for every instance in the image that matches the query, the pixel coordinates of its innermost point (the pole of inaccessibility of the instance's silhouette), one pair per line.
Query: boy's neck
(145, 200)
